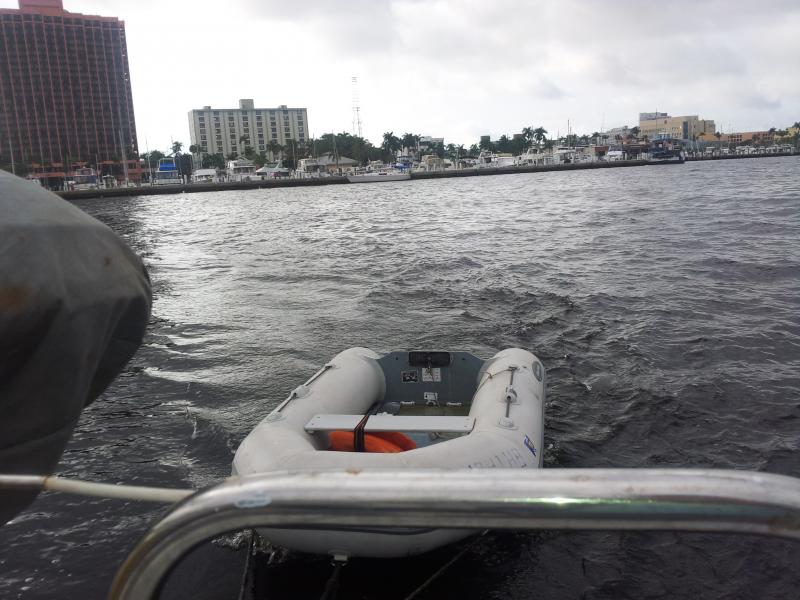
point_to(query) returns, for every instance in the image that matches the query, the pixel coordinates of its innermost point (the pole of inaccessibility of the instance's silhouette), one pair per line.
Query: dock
(193, 188)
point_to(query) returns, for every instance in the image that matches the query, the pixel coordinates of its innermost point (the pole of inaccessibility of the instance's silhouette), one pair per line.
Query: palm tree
(244, 140)
(539, 134)
(273, 146)
(409, 141)
(176, 147)
(391, 143)
(528, 136)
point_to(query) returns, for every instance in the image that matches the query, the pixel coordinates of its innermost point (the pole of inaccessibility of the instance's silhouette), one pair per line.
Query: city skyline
(460, 70)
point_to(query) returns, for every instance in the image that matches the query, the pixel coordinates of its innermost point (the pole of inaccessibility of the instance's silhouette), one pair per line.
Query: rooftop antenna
(356, 109)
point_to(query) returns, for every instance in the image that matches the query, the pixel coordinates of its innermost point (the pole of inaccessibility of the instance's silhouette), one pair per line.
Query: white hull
(350, 385)
(378, 177)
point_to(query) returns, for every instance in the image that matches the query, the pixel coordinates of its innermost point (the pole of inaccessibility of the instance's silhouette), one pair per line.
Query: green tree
(410, 141)
(176, 147)
(391, 143)
(213, 161)
(274, 148)
(153, 156)
(244, 141)
(539, 135)
(197, 149)
(259, 159)
(528, 136)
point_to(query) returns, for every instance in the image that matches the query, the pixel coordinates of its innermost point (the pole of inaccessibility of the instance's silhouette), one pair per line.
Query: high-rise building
(228, 130)
(65, 93)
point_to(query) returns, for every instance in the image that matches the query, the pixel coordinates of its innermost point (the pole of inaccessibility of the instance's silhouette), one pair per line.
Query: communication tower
(356, 109)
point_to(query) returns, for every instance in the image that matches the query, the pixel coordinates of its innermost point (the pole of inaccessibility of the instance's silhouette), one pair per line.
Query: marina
(464, 302)
(638, 305)
(205, 186)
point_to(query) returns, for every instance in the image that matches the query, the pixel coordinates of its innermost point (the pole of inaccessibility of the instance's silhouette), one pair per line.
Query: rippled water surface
(664, 302)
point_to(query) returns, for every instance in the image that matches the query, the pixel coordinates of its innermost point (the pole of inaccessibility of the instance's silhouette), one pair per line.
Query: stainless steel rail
(604, 499)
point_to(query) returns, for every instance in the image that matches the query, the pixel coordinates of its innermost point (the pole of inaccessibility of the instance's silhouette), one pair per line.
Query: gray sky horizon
(461, 69)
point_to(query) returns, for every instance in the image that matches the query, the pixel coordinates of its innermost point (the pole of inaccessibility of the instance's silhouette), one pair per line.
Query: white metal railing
(589, 499)
(600, 499)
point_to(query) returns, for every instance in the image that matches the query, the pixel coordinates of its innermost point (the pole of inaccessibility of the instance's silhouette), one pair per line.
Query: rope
(88, 488)
(446, 566)
(332, 587)
(243, 586)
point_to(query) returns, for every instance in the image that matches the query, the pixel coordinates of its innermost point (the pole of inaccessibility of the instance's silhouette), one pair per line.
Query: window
(201, 118)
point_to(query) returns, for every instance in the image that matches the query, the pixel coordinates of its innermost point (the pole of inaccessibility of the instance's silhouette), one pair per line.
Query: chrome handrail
(599, 499)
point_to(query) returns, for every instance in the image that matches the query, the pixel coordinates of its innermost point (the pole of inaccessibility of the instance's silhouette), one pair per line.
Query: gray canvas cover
(74, 305)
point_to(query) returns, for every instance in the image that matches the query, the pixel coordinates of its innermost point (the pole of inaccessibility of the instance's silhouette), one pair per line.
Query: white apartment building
(223, 130)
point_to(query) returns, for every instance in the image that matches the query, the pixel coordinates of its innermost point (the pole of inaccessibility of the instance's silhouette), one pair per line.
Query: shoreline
(340, 179)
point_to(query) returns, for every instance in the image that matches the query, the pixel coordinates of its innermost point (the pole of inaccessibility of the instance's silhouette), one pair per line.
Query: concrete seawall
(282, 183)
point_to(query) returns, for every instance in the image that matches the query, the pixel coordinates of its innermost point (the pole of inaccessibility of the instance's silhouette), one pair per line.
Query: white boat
(308, 167)
(378, 176)
(167, 173)
(241, 169)
(83, 178)
(407, 410)
(205, 176)
(273, 170)
(495, 160)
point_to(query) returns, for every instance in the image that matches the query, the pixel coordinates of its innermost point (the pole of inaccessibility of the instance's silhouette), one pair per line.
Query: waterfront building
(615, 134)
(227, 130)
(742, 137)
(427, 143)
(689, 127)
(65, 94)
(334, 164)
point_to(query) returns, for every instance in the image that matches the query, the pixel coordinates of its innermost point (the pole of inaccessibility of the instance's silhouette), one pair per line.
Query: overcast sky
(461, 69)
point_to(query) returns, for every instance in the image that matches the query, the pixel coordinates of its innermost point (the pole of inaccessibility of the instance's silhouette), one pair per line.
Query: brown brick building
(65, 93)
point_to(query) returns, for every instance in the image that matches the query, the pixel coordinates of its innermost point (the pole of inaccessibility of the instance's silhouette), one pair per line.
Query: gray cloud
(465, 67)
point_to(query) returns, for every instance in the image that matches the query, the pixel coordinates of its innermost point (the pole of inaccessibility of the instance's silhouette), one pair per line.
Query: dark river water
(664, 302)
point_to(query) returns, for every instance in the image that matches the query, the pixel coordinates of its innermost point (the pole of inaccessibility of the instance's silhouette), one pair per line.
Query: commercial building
(742, 137)
(65, 93)
(688, 127)
(228, 130)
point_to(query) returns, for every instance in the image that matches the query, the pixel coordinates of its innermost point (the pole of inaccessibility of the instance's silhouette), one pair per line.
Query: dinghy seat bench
(386, 422)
